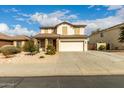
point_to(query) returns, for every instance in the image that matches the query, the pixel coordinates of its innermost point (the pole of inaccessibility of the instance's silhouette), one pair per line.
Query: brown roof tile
(58, 36)
(46, 35)
(73, 36)
(52, 27)
(20, 37)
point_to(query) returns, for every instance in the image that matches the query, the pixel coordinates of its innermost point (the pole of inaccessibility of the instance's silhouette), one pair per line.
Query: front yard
(66, 63)
(23, 58)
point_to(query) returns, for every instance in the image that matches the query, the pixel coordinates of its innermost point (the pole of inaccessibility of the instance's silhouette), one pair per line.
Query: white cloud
(114, 7)
(91, 6)
(20, 19)
(103, 23)
(10, 10)
(23, 14)
(3, 27)
(16, 30)
(44, 19)
(52, 18)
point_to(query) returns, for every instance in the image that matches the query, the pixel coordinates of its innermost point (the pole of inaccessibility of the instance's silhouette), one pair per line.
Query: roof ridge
(95, 32)
(62, 23)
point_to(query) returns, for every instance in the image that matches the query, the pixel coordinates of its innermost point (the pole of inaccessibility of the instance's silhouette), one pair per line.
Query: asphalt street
(108, 81)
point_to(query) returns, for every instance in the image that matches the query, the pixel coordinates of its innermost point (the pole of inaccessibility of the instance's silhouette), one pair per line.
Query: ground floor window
(18, 43)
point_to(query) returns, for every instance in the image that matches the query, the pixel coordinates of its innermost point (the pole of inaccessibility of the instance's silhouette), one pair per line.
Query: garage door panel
(71, 46)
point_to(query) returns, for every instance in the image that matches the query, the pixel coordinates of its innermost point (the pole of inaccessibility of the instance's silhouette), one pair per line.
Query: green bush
(8, 50)
(102, 47)
(51, 50)
(29, 46)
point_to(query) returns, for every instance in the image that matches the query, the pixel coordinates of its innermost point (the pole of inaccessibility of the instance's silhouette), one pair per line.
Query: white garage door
(71, 46)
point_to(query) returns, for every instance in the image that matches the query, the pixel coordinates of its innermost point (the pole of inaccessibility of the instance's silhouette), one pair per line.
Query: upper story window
(64, 30)
(45, 31)
(101, 34)
(77, 31)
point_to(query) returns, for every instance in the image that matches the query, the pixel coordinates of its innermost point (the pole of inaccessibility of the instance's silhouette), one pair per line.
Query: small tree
(37, 47)
(51, 50)
(121, 38)
(29, 46)
(102, 47)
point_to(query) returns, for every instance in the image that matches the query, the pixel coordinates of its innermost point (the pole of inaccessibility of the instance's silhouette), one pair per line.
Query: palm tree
(121, 38)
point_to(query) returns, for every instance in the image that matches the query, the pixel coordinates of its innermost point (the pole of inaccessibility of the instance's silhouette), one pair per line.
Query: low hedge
(8, 50)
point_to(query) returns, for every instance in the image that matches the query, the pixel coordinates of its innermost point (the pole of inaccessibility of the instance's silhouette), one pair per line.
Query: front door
(42, 44)
(54, 43)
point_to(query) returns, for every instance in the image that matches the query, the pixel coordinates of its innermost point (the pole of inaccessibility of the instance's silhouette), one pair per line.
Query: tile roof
(54, 26)
(58, 36)
(46, 35)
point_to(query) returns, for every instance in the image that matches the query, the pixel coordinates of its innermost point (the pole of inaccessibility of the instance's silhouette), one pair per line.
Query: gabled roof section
(20, 37)
(52, 27)
(46, 35)
(75, 25)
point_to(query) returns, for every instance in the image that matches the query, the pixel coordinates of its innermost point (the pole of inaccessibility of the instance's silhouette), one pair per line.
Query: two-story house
(64, 37)
(110, 36)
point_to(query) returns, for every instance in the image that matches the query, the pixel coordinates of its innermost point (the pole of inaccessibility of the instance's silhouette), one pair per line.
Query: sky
(27, 19)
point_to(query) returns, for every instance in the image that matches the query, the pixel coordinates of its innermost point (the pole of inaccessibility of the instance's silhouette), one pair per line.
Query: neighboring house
(19, 40)
(109, 36)
(64, 37)
(5, 40)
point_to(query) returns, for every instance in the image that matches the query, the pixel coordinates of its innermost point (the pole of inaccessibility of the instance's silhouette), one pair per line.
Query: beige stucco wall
(85, 45)
(49, 30)
(110, 36)
(15, 43)
(70, 29)
(23, 43)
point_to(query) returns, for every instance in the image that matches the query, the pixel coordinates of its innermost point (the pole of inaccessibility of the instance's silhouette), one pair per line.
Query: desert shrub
(51, 50)
(31, 53)
(29, 46)
(116, 48)
(8, 50)
(37, 48)
(102, 47)
(0, 50)
(42, 57)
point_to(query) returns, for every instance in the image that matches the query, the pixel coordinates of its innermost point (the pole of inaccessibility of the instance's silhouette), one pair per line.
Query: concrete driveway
(73, 63)
(90, 63)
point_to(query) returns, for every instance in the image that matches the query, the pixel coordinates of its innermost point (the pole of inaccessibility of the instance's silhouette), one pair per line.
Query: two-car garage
(71, 46)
